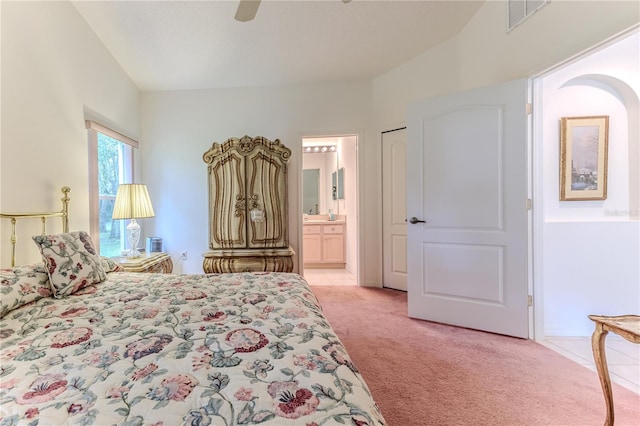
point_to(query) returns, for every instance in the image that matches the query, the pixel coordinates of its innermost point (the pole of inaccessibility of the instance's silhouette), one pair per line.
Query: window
(111, 163)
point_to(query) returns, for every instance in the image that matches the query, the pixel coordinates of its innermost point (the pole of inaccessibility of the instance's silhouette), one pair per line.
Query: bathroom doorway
(329, 210)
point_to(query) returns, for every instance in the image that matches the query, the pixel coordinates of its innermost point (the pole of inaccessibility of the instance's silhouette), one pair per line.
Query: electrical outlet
(183, 255)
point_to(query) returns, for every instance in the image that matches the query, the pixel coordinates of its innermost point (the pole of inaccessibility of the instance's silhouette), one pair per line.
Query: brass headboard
(64, 214)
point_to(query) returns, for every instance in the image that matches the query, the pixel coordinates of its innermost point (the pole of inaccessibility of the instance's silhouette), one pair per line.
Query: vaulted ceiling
(188, 45)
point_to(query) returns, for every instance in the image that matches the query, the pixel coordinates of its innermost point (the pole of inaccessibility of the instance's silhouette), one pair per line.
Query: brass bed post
(65, 208)
(64, 214)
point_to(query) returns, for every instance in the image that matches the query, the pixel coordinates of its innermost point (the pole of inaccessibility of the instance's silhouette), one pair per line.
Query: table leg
(597, 344)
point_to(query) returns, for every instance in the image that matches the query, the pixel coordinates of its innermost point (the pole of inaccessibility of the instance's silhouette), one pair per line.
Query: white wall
(181, 126)
(55, 74)
(589, 261)
(348, 206)
(484, 53)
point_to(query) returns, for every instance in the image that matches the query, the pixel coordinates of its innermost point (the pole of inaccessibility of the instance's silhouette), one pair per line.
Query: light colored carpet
(423, 373)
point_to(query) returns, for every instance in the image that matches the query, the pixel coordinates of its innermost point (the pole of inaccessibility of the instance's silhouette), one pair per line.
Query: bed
(114, 347)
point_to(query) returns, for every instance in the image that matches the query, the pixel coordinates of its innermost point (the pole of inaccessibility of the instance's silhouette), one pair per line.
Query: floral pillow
(22, 285)
(71, 261)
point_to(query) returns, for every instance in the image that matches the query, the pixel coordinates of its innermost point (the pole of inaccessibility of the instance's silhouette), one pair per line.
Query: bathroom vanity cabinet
(324, 244)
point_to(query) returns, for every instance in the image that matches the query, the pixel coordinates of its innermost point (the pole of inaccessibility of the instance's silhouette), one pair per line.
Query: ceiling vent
(519, 10)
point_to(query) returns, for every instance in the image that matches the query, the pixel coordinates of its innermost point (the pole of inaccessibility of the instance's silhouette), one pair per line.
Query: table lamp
(132, 202)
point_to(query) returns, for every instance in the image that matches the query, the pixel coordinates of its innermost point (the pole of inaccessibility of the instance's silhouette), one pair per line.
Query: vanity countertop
(322, 219)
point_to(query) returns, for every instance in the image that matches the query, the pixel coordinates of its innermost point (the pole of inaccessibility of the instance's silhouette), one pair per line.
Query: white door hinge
(529, 300)
(529, 108)
(529, 204)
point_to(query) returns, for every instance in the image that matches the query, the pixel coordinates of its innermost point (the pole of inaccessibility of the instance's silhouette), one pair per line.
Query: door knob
(415, 220)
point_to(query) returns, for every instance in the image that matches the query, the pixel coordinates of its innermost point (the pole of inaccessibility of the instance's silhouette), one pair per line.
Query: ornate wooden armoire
(248, 206)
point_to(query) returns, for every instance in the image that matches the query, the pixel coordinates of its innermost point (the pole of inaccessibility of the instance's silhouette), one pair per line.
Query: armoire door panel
(227, 225)
(266, 187)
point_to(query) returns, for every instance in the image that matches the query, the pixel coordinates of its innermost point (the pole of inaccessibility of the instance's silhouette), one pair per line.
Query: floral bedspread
(154, 349)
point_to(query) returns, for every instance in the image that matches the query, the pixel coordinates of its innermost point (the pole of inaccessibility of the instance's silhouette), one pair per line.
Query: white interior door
(467, 168)
(394, 209)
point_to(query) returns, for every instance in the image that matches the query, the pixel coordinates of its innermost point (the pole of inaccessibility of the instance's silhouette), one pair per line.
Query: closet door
(266, 173)
(227, 201)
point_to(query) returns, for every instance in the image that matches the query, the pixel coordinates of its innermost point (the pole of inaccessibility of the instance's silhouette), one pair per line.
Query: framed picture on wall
(583, 158)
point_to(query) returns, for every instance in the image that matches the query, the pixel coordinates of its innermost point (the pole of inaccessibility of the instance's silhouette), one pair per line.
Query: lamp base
(133, 236)
(132, 254)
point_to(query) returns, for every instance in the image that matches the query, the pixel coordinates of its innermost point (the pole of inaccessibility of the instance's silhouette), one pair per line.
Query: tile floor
(329, 277)
(623, 357)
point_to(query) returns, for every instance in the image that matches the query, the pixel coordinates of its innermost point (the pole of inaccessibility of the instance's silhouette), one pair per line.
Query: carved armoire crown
(248, 206)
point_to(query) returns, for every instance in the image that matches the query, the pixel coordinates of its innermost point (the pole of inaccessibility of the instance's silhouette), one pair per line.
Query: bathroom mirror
(311, 191)
(319, 168)
(337, 184)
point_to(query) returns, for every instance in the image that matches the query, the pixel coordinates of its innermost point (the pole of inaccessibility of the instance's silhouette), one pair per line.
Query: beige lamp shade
(132, 202)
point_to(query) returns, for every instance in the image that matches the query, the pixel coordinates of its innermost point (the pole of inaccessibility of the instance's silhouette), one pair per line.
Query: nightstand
(147, 262)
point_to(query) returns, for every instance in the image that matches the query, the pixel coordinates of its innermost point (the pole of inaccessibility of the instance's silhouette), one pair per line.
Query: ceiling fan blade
(247, 10)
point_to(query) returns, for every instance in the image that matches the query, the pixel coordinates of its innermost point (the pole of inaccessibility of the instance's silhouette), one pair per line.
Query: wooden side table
(147, 262)
(627, 326)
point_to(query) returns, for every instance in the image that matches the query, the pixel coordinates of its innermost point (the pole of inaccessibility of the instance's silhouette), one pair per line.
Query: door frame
(358, 198)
